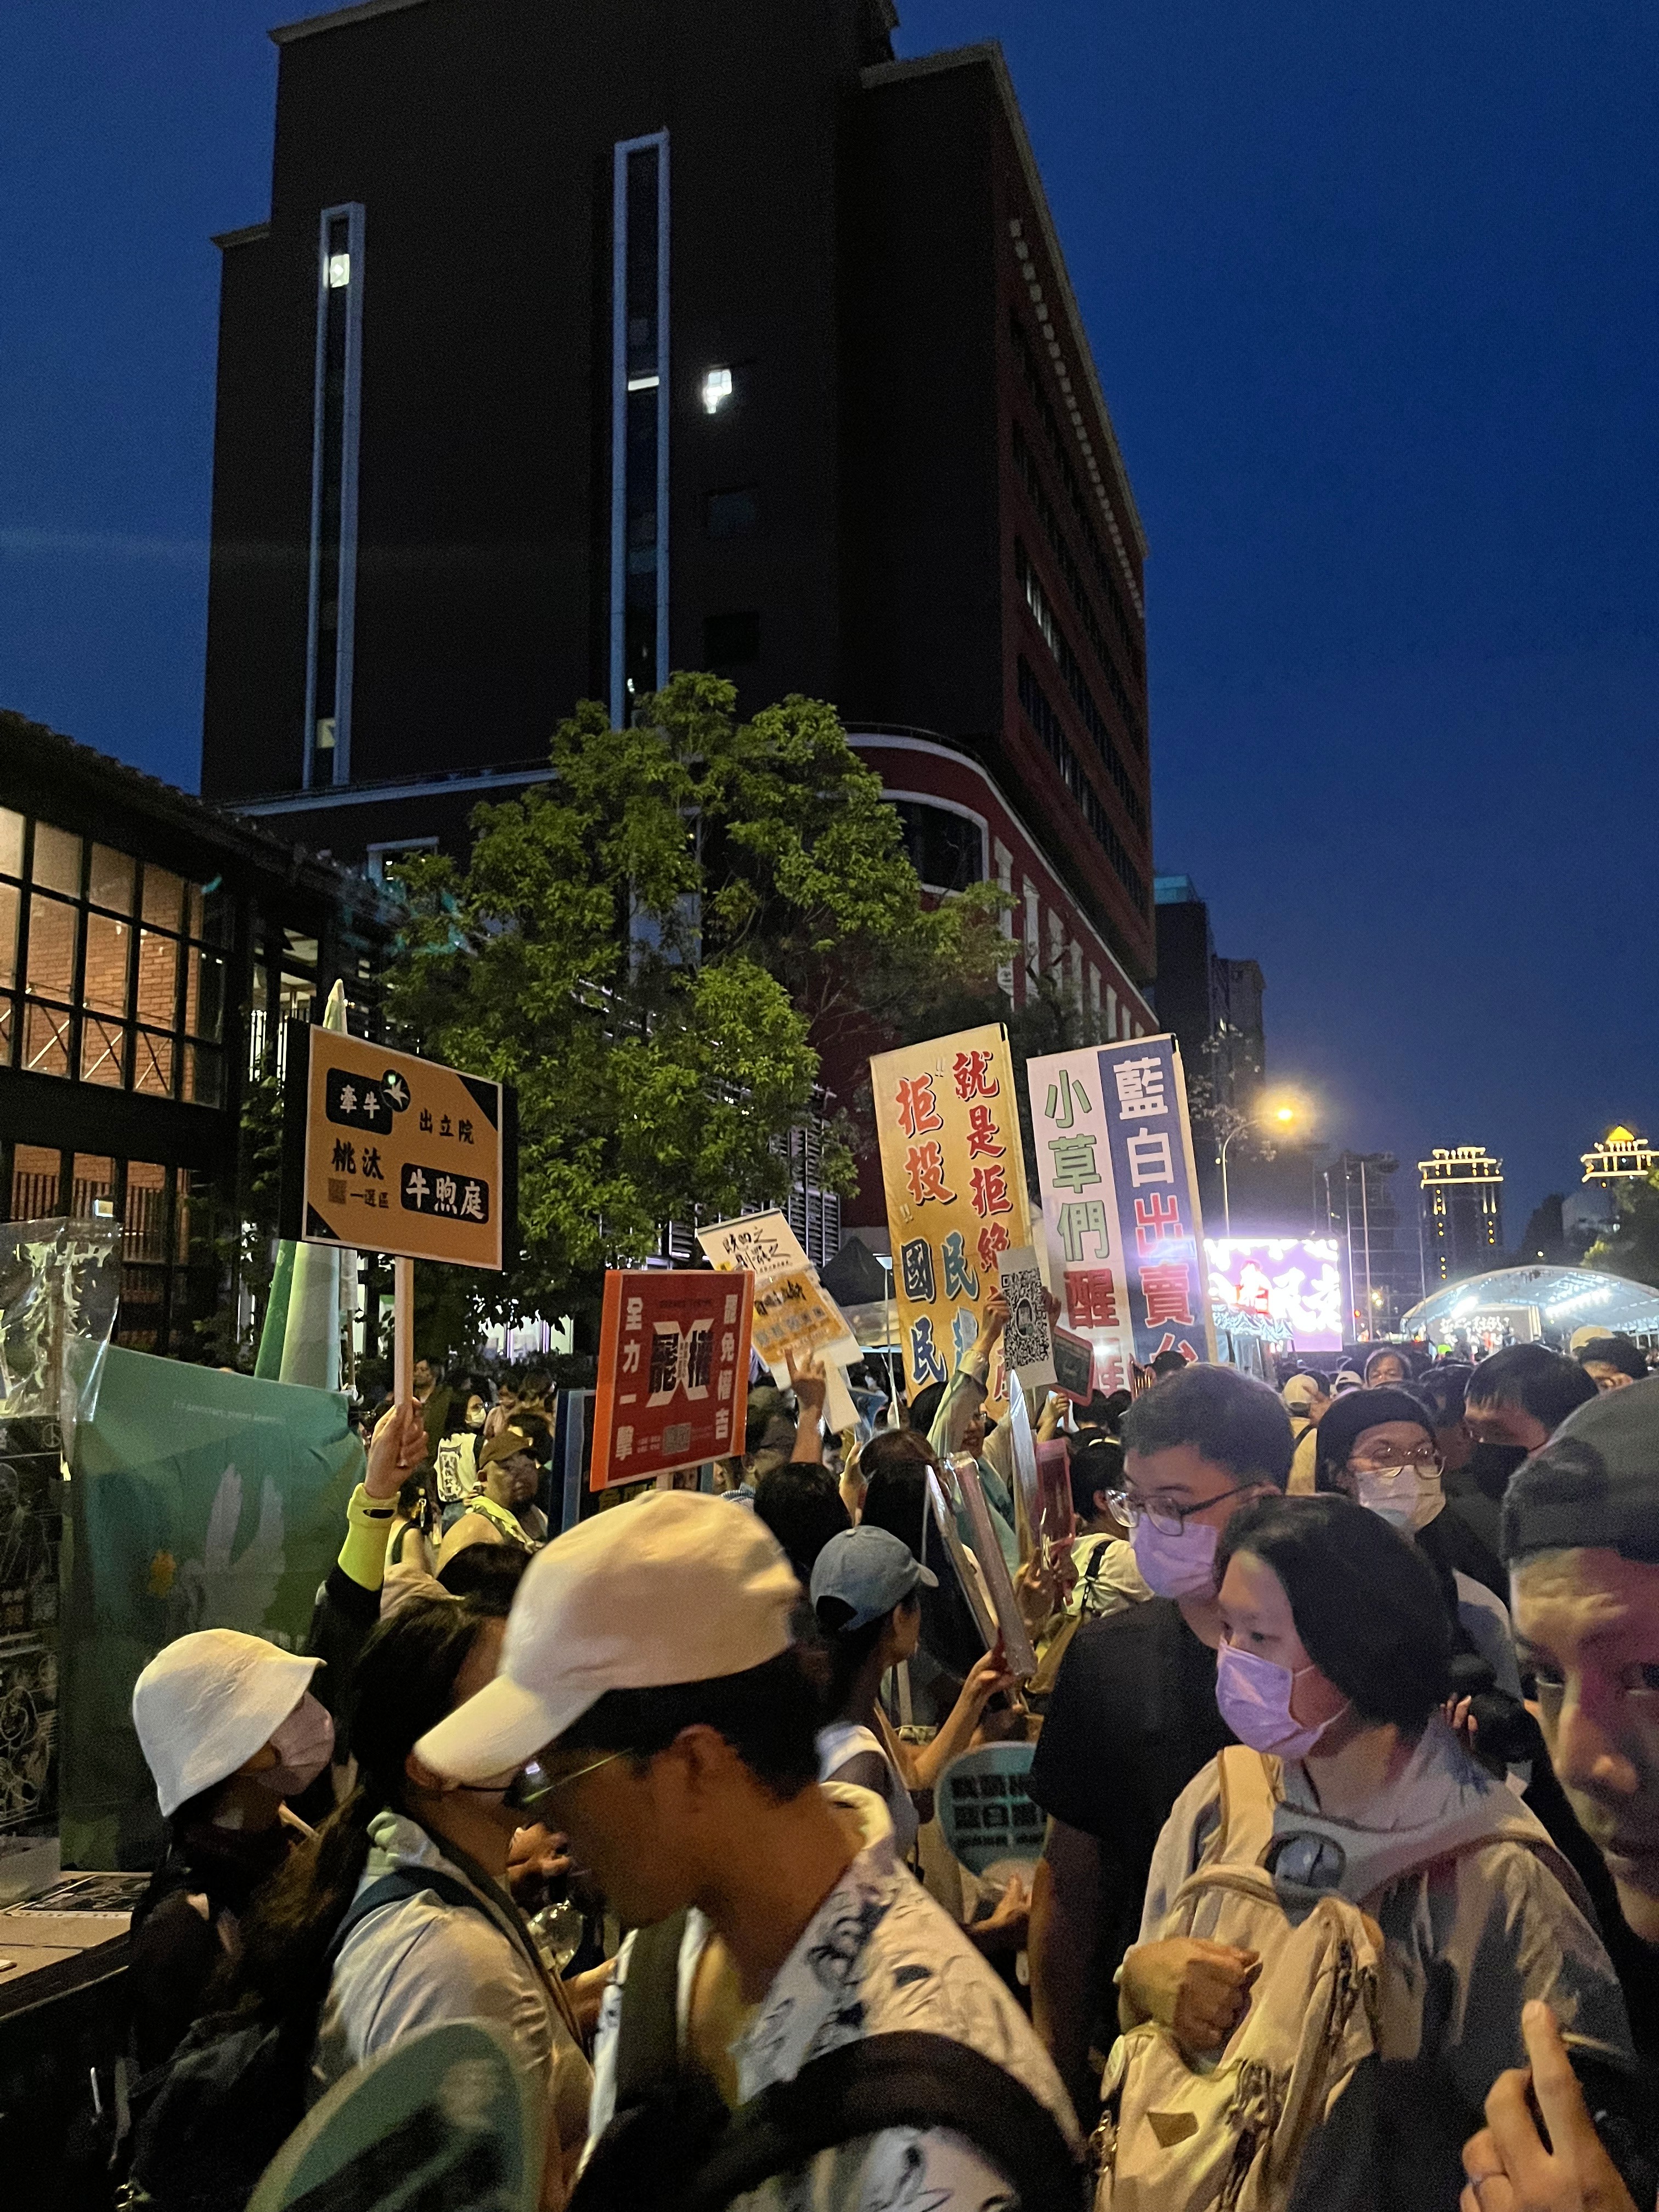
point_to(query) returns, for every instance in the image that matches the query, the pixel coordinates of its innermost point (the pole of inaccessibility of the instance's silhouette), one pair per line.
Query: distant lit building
(1462, 1201)
(1621, 1155)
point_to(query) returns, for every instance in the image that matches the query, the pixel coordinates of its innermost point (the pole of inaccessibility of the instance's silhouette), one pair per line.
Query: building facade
(588, 343)
(150, 950)
(1463, 1211)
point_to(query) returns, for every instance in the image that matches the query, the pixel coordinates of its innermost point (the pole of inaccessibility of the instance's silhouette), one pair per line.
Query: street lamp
(1232, 1123)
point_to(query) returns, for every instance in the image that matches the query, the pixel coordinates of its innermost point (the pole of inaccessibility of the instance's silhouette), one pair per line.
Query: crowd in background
(1356, 1678)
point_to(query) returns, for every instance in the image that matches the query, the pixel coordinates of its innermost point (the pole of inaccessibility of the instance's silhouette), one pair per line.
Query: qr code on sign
(1025, 1343)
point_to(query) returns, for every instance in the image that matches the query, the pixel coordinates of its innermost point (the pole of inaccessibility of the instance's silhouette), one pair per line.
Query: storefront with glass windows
(150, 948)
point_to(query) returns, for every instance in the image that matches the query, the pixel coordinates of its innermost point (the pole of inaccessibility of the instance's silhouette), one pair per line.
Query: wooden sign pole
(402, 1331)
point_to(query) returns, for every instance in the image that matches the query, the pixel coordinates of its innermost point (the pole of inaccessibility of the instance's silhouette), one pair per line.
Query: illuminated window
(337, 400)
(639, 422)
(717, 390)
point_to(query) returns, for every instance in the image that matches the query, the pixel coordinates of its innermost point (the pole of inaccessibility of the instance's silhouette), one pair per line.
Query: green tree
(654, 947)
(1631, 1247)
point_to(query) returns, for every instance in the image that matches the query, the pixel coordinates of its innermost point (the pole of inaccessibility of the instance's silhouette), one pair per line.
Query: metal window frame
(620, 153)
(351, 434)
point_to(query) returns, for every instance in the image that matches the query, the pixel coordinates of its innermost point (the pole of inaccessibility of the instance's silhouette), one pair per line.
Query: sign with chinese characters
(767, 1247)
(948, 1123)
(1295, 1280)
(1120, 1204)
(794, 1313)
(1160, 1231)
(389, 1153)
(673, 1384)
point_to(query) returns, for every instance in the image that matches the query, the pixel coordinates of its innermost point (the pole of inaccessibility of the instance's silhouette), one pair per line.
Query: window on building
(381, 857)
(336, 401)
(946, 849)
(121, 965)
(734, 513)
(718, 390)
(639, 423)
(731, 641)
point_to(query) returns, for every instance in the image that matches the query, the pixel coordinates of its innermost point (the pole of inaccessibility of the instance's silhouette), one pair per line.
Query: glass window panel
(92, 1186)
(203, 1074)
(109, 944)
(11, 843)
(103, 1051)
(10, 900)
(34, 1172)
(217, 915)
(110, 878)
(158, 979)
(53, 928)
(204, 995)
(164, 896)
(56, 859)
(46, 1040)
(143, 1223)
(154, 1069)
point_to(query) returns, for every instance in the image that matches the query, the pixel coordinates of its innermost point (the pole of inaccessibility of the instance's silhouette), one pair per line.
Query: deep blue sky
(1372, 295)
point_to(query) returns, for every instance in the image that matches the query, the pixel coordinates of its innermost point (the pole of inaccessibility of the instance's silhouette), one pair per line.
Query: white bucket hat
(205, 1705)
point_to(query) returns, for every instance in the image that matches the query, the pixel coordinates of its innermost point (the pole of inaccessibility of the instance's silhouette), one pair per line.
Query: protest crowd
(1340, 1724)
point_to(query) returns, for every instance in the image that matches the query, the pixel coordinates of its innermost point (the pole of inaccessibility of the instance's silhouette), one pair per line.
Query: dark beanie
(1593, 1485)
(1355, 1411)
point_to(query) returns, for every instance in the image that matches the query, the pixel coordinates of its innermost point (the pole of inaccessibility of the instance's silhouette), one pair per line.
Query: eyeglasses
(1422, 1459)
(532, 1785)
(1165, 1516)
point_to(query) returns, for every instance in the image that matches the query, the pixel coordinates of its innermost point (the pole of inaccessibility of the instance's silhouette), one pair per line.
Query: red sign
(673, 1382)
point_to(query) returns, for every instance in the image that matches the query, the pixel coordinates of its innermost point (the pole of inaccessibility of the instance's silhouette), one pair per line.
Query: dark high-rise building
(1463, 1202)
(583, 343)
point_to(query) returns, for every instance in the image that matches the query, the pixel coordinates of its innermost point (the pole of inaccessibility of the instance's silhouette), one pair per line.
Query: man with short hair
(1133, 1716)
(1581, 1535)
(1514, 1402)
(655, 1710)
(1387, 1368)
(503, 1509)
(1613, 1362)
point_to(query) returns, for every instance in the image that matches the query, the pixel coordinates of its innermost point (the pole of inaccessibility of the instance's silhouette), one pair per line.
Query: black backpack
(673, 2145)
(195, 2134)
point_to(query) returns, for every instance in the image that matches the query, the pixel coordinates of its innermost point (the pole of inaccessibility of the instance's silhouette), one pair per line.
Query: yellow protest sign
(948, 1124)
(388, 1153)
(793, 1313)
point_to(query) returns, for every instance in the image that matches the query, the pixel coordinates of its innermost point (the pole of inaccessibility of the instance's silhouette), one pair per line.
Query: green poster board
(197, 1499)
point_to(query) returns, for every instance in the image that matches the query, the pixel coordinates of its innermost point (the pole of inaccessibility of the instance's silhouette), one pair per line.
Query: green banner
(198, 1499)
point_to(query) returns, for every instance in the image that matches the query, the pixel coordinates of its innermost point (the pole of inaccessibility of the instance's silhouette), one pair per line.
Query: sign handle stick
(403, 1330)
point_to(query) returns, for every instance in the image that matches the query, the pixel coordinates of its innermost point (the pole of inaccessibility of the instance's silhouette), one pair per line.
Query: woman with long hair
(453, 1946)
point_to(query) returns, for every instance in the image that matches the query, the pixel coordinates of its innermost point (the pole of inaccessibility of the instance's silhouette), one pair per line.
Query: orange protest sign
(948, 1123)
(673, 1381)
(384, 1152)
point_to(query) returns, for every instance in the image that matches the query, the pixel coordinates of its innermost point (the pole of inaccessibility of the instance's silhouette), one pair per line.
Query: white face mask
(1406, 1500)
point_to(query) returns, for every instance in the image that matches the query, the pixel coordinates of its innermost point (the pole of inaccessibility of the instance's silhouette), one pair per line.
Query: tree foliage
(654, 947)
(1631, 1247)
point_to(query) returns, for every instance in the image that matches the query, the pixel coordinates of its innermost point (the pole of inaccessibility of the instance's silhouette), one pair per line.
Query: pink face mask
(302, 1745)
(1179, 1565)
(1255, 1696)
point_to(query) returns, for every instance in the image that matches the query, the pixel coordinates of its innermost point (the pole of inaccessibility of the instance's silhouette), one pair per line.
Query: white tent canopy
(1541, 1303)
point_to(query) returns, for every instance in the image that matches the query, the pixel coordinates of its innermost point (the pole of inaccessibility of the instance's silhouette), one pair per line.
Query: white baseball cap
(206, 1704)
(673, 1588)
(1300, 1391)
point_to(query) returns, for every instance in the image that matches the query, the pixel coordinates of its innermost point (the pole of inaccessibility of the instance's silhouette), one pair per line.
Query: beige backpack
(1224, 2134)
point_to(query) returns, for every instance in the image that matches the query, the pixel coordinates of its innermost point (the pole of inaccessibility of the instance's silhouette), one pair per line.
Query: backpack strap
(396, 1888)
(648, 2024)
(1249, 1798)
(905, 2079)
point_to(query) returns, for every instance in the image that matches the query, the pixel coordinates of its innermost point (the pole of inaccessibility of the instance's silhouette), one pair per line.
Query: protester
(953, 1421)
(864, 1593)
(804, 1510)
(653, 1703)
(456, 1458)
(1107, 1579)
(1387, 1368)
(1167, 1363)
(1101, 1416)
(1514, 1402)
(1306, 1400)
(1334, 1663)
(413, 1525)
(447, 1943)
(1613, 1362)
(894, 1467)
(1134, 1717)
(505, 1511)
(1376, 1447)
(1444, 1391)
(1581, 1534)
(230, 1730)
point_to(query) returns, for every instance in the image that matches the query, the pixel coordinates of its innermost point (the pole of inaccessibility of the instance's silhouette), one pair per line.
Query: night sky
(1373, 297)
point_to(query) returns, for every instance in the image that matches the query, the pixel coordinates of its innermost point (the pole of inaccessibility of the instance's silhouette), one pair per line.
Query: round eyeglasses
(1165, 1516)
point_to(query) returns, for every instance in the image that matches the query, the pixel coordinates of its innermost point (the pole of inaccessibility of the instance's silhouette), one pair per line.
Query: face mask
(302, 1746)
(1491, 1465)
(1255, 1697)
(1183, 1565)
(475, 1415)
(1392, 1498)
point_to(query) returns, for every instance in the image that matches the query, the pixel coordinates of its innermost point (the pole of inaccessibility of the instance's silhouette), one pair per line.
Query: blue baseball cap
(871, 1570)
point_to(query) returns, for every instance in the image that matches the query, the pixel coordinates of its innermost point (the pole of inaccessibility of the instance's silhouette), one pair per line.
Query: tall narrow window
(335, 406)
(639, 423)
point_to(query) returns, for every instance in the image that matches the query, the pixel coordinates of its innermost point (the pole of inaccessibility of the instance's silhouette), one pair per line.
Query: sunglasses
(533, 1786)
